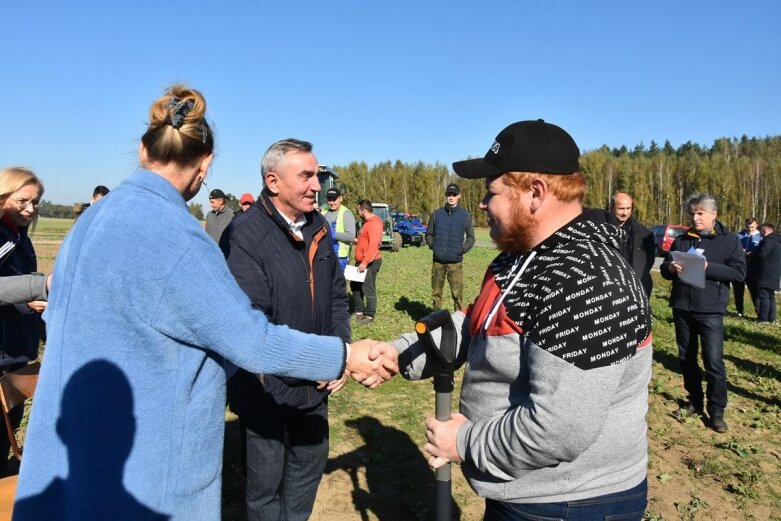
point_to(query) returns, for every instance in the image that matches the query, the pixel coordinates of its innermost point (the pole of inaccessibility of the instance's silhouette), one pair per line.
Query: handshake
(371, 362)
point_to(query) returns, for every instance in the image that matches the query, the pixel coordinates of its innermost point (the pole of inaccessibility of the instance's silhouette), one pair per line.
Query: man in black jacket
(638, 248)
(445, 235)
(698, 313)
(281, 253)
(768, 264)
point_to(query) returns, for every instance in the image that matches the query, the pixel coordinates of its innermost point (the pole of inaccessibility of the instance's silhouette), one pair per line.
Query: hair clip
(179, 109)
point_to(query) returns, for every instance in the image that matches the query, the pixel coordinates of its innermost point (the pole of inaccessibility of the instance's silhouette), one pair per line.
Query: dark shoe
(686, 411)
(364, 319)
(357, 314)
(718, 424)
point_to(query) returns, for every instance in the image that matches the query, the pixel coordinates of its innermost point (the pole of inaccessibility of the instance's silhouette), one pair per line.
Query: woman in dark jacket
(768, 273)
(20, 194)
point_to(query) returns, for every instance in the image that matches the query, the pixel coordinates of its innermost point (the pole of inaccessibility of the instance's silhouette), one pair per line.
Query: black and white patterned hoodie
(557, 349)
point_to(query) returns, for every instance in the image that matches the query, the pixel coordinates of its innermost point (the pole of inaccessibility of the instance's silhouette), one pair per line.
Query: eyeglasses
(246, 204)
(24, 203)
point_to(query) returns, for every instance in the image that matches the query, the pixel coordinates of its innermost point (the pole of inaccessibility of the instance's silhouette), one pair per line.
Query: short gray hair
(275, 155)
(702, 201)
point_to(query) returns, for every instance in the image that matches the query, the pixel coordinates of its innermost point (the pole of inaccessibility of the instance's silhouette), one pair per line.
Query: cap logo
(495, 147)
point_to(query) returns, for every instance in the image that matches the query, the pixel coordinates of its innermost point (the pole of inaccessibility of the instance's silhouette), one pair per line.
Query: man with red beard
(557, 347)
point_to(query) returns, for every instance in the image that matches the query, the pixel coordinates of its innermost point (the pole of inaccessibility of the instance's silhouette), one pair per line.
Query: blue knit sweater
(127, 421)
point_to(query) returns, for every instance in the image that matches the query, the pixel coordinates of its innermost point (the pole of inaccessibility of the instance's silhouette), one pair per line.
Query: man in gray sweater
(557, 347)
(219, 217)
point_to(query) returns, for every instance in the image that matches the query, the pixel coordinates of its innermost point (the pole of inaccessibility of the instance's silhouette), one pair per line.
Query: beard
(518, 236)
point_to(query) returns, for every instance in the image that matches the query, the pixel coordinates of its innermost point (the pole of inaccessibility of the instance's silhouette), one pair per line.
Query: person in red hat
(246, 201)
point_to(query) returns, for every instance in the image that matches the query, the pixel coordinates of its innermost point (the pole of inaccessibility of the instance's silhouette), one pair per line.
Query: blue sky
(375, 81)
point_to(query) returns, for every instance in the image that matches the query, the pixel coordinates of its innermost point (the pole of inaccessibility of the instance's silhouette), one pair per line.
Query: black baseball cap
(333, 192)
(452, 188)
(216, 194)
(525, 146)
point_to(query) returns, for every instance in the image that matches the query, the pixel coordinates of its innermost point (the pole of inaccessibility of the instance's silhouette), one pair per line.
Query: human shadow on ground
(741, 333)
(414, 309)
(671, 363)
(399, 481)
(97, 426)
(761, 369)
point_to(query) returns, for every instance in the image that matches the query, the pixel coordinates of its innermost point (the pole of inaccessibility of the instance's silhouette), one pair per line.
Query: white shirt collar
(295, 226)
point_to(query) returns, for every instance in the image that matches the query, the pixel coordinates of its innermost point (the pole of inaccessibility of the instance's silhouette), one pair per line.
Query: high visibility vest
(344, 249)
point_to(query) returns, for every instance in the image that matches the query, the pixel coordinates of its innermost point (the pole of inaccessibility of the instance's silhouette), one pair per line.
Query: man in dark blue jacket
(445, 235)
(698, 313)
(768, 276)
(280, 251)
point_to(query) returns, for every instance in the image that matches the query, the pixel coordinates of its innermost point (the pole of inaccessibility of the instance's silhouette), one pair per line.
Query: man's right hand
(371, 363)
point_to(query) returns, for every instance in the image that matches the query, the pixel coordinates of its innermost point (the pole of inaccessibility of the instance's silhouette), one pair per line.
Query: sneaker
(364, 319)
(357, 314)
(718, 424)
(686, 411)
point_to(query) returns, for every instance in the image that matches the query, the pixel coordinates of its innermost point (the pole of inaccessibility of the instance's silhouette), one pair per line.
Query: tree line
(743, 174)
(64, 211)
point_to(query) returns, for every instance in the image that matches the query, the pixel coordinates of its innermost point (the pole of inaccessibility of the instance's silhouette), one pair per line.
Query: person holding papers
(698, 312)
(369, 260)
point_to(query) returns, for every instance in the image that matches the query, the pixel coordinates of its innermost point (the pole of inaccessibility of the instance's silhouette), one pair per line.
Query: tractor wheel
(396, 241)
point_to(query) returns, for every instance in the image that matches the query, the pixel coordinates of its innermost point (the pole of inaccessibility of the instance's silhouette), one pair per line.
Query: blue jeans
(691, 330)
(627, 505)
(285, 456)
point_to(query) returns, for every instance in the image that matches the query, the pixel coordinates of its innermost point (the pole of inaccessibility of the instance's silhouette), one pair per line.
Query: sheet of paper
(693, 272)
(352, 273)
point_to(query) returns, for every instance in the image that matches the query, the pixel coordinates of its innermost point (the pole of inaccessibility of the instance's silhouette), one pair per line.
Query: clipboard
(693, 272)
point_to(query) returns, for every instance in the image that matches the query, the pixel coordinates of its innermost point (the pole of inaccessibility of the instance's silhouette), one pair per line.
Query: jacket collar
(629, 223)
(266, 206)
(718, 229)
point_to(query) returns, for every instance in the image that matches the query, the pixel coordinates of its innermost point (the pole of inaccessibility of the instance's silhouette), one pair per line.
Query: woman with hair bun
(143, 318)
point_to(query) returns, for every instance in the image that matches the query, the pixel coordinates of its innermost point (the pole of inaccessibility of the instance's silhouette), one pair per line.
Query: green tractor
(391, 239)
